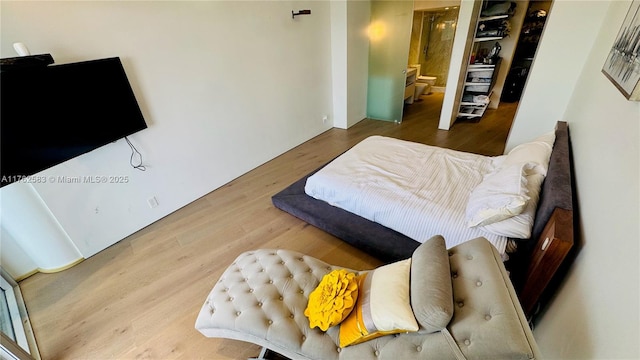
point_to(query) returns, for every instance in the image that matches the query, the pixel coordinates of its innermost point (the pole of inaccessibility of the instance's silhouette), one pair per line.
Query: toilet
(424, 84)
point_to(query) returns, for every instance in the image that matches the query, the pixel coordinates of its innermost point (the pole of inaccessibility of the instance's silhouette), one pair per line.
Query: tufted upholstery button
(329, 268)
(250, 290)
(469, 257)
(450, 253)
(479, 283)
(376, 353)
(270, 281)
(281, 298)
(230, 298)
(418, 348)
(261, 270)
(282, 262)
(259, 304)
(270, 322)
(454, 275)
(460, 304)
(238, 313)
(487, 317)
(301, 291)
(290, 276)
(304, 338)
(338, 349)
(300, 259)
(291, 316)
(467, 342)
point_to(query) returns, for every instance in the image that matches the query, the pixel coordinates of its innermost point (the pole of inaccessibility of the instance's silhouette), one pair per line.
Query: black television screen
(50, 114)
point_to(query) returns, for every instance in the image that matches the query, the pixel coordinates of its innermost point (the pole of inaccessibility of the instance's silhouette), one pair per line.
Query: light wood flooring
(139, 298)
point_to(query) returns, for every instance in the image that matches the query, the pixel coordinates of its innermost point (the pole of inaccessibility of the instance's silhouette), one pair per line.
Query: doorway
(431, 44)
(519, 49)
(530, 34)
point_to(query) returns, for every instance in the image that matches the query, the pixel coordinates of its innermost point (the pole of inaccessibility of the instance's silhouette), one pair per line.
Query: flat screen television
(50, 114)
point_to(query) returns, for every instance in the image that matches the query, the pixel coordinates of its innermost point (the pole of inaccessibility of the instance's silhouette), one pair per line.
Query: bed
(533, 259)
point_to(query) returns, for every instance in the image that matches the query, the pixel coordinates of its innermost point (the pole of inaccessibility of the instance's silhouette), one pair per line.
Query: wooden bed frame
(533, 267)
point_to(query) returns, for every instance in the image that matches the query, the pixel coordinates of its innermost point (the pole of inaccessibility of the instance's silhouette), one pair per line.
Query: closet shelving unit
(481, 73)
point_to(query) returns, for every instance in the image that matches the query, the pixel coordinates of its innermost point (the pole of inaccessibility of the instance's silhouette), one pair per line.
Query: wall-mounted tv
(50, 114)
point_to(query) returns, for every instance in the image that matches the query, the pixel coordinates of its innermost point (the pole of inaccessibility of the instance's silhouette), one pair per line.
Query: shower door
(436, 43)
(389, 37)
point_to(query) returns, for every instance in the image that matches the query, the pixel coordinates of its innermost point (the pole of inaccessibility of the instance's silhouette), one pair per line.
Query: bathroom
(432, 37)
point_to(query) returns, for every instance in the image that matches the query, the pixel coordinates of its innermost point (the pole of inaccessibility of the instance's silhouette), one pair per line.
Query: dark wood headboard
(553, 229)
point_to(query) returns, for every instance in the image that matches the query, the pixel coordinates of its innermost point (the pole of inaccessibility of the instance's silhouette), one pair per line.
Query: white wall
(224, 86)
(457, 67)
(595, 315)
(358, 17)
(349, 56)
(567, 39)
(14, 260)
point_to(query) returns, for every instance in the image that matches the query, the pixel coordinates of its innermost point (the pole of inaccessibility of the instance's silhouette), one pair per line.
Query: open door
(389, 38)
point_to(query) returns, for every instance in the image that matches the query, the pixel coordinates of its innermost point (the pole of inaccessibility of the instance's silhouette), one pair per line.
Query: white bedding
(423, 195)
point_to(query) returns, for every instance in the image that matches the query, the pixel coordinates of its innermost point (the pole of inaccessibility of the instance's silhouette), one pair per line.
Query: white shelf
(489, 38)
(472, 110)
(472, 87)
(468, 83)
(496, 17)
(410, 85)
(480, 67)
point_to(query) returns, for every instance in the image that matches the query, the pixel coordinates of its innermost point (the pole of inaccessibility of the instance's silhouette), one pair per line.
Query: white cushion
(383, 306)
(519, 226)
(501, 195)
(537, 151)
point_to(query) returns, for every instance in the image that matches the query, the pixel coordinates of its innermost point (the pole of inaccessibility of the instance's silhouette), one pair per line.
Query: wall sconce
(300, 12)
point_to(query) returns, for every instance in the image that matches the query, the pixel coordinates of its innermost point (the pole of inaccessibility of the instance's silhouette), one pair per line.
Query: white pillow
(519, 226)
(501, 194)
(383, 306)
(537, 151)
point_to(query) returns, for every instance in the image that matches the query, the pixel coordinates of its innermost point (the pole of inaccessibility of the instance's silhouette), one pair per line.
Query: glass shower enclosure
(432, 42)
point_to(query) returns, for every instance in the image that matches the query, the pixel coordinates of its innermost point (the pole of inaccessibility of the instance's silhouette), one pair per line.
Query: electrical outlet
(324, 119)
(153, 202)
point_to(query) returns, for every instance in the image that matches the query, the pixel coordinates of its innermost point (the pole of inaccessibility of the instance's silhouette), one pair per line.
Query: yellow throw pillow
(383, 306)
(332, 300)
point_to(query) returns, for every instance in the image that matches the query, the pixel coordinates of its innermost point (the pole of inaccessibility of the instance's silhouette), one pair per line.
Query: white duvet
(415, 189)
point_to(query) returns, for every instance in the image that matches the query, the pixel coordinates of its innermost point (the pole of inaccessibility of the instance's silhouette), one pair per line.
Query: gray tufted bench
(261, 297)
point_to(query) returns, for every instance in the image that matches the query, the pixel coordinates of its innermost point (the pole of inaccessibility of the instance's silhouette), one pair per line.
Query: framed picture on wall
(622, 66)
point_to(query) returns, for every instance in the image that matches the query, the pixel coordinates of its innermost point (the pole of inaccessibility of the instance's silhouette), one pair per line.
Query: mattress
(422, 196)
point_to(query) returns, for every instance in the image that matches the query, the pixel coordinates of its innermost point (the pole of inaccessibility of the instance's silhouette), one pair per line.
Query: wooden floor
(139, 298)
